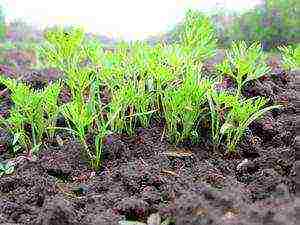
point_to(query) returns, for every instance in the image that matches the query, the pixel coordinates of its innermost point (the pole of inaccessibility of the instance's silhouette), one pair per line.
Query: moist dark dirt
(144, 174)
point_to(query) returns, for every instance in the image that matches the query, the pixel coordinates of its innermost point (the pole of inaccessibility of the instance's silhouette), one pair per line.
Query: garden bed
(143, 175)
(81, 144)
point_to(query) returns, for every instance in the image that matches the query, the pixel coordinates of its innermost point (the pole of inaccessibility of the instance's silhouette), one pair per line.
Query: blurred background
(129, 19)
(273, 22)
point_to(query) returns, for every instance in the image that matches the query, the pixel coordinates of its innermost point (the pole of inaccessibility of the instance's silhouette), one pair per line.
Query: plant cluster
(244, 63)
(184, 106)
(231, 115)
(33, 112)
(162, 82)
(290, 56)
(6, 169)
(197, 36)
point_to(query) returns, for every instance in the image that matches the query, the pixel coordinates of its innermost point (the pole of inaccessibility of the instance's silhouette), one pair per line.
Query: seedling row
(144, 83)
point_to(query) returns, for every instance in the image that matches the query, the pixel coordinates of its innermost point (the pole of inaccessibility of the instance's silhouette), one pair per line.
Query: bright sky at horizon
(128, 19)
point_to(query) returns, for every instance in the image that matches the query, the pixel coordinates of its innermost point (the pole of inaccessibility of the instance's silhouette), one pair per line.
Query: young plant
(127, 106)
(50, 105)
(15, 124)
(63, 47)
(28, 111)
(160, 75)
(32, 113)
(244, 64)
(240, 117)
(102, 132)
(197, 36)
(68, 50)
(219, 103)
(183, 107)
(83, 117)
(79, 81)
(290, 56)
(15, 143)
(6, 169)
(230, 116)
(78, 57)
(143, 101)
(113, 67)
(121, 105)
(100, 125)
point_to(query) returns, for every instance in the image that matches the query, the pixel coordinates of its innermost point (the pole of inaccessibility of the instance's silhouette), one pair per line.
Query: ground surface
(144, 174)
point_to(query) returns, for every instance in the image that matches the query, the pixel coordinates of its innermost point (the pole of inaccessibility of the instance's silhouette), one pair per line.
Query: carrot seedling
(243, 64)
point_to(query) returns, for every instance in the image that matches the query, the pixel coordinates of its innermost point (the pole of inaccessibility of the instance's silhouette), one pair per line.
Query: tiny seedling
(230, 116)
(32, 113)
(16, 147)
(6, 169)
(83, 117)
(240, 117)
(63, 47)
(243, 63)
(50, 105)
(219, 103)
(68, 50)
(121, 105)
(127, 106)
(197, 36)
(183, 107)
(290, 56)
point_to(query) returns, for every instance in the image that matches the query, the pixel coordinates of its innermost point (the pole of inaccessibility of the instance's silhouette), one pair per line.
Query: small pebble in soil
(244, 167)
(154, 219)
(81, 189)
(3, 148)
(108, 140)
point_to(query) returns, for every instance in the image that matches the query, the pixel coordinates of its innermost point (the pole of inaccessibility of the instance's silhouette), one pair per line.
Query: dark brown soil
(144, 174)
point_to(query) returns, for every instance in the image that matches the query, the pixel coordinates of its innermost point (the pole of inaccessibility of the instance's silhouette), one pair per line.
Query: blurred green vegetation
(274, 23)
(2, 24)
(122, 89)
